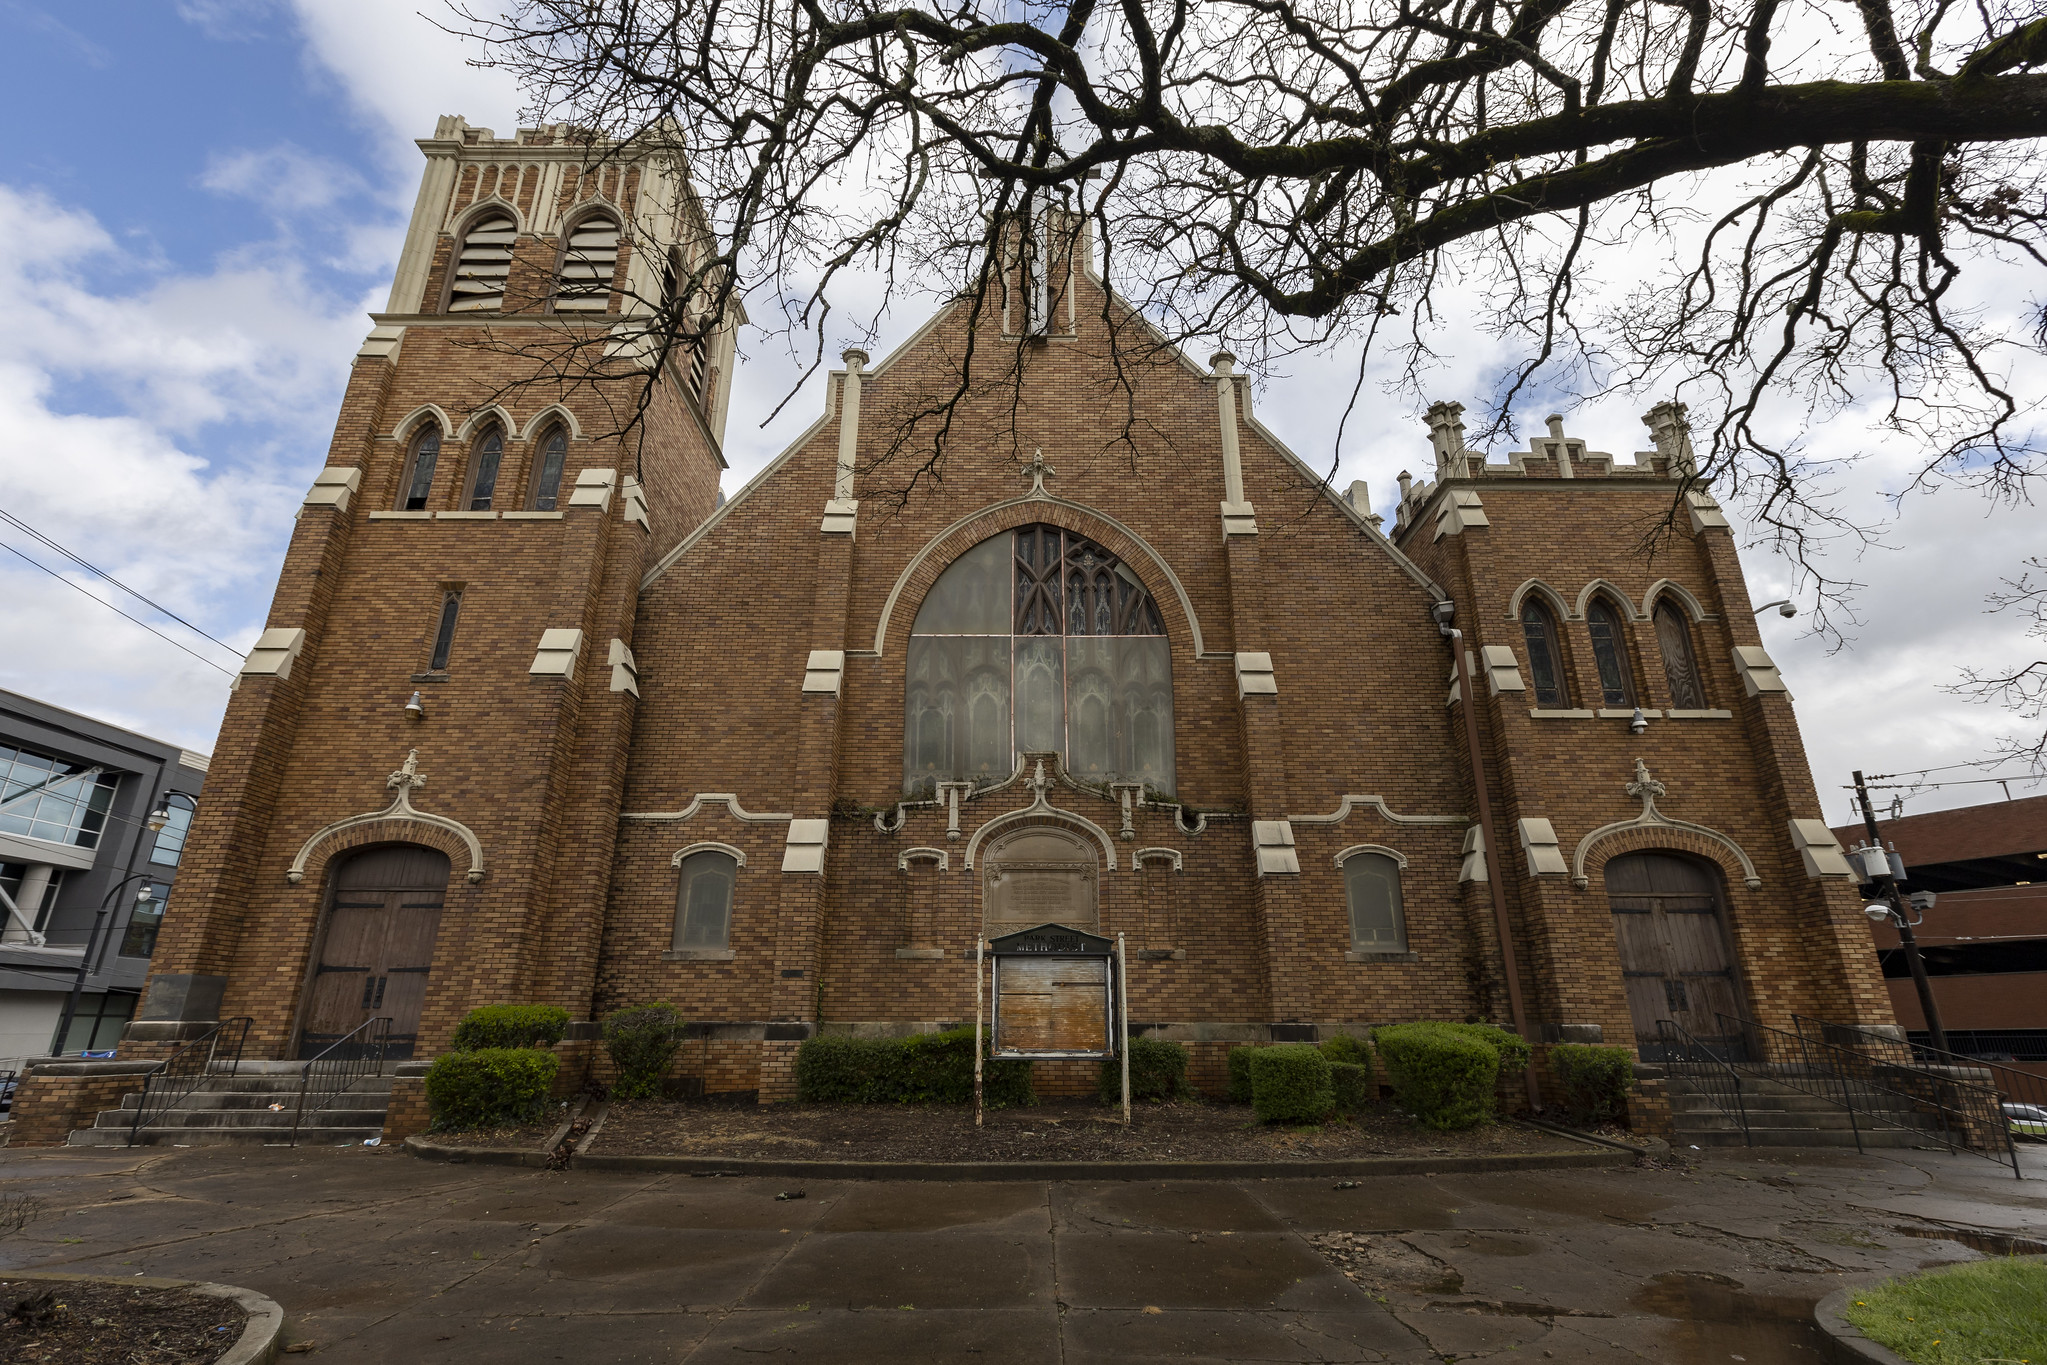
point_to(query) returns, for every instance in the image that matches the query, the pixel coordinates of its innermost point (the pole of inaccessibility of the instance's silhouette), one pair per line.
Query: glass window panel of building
(170, 840)
(50, 798)
(703, 903)
(1038, 641)
(1371, 882)
(139, 938)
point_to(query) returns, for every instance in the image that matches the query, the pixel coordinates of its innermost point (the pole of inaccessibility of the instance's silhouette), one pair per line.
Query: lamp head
(1877, 911)
(1787, 610)
(145, 895)
(416, 708)
(159, 817)
(1638, 723)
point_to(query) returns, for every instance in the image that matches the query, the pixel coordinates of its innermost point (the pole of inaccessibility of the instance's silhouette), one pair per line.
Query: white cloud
(283, 179)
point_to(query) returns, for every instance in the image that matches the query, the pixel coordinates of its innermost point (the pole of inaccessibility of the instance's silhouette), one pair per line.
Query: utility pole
(1887, 887)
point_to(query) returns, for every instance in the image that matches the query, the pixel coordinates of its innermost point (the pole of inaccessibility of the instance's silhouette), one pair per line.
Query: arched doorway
(384, 911)
(1675, 960)
(1040, 874)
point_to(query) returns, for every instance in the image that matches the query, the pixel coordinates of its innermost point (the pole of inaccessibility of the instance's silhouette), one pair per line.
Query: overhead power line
(90, 567)
(114, 609)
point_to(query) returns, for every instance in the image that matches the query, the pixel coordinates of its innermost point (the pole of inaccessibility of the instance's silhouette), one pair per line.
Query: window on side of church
(703, 903)
(1545, 663)
(1371, 881)
(1609, 654)
(483, 471)
(483, 264)
(1674, 638)
(444, 633)
(589, 259)
(418, 484)
(547, 470)
(1038, 641)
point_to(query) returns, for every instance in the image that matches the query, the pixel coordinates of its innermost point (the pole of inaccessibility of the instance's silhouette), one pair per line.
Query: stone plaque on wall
(1037, 877)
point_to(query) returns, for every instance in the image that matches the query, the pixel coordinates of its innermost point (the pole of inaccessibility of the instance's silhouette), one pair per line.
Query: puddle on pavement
(1989, 1243)
(1716, 1319)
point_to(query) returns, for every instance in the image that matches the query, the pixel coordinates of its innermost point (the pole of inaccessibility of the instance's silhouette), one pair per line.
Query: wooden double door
(1675, 959)
(383, 915)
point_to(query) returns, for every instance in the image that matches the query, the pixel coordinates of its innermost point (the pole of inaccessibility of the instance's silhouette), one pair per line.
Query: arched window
(1609, 654)
(1674, 638)
(1545, 660)
(418, 483)
(484, 261)
(483, 470)
(1038, 641)
(589, 257)
(703, 902)
(553, 452)
(1371, 883)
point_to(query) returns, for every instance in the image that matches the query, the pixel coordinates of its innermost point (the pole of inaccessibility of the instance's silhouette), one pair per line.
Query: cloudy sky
(203, 199)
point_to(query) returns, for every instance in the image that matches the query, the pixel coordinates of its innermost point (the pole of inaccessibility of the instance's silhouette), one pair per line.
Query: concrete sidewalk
(379, 1257)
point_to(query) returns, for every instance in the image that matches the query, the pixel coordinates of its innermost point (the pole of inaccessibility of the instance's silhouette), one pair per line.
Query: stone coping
(53, 1066)
(1595, 1156)
(1842, 1342)
(259, 1340)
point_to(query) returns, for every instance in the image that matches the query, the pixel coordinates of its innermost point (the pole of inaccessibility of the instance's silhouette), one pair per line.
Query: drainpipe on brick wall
(1495, 867)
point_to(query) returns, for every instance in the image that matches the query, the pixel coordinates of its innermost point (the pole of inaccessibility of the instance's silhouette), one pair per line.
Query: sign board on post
(1055, 994)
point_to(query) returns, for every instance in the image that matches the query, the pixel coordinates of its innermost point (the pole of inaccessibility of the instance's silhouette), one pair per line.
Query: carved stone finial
(1039, 472)
(1446, 434)
(1645, 787)
(408, 777)
(1671, 429)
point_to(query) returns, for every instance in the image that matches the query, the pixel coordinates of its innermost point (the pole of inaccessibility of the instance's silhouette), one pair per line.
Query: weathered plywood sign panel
(1053, 993)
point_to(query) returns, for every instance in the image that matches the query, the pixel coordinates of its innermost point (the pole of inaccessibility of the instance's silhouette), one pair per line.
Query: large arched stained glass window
(1038, 641)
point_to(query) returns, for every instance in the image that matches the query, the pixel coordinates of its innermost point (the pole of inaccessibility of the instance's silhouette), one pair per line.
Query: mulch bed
(84, 1322)
(1055, 1130)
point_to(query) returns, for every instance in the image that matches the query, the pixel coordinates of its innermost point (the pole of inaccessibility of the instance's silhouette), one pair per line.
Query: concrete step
(277, 1085)
(1801, 1137)
(241, 1118)
(368, 1092)
(210, 1137)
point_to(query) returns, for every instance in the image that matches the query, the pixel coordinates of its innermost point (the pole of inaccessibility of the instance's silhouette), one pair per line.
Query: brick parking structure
(646, 675)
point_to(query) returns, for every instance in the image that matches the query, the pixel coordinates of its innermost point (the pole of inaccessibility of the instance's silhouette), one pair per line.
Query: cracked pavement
(378, 1256)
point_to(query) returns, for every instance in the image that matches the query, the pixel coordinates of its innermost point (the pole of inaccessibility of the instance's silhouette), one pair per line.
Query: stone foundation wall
(56, 1098)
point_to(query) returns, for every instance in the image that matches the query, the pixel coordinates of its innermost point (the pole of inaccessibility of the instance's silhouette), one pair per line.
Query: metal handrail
(2020, 1087)
(369, 1041)
(183, 1071)
(1705, 1065)
(1961, 1111)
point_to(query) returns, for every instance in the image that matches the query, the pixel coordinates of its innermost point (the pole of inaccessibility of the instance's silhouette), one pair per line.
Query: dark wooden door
(1673, 946)
(379, 947)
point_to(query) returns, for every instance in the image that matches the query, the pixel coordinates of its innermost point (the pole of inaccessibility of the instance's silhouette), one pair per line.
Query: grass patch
(1986, 1310)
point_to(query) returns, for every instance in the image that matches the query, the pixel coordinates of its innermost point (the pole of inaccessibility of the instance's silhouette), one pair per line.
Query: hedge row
(923, 1068)
(1595, 1081)
(510, 1026)
(1158, 1072)
(492, 1087)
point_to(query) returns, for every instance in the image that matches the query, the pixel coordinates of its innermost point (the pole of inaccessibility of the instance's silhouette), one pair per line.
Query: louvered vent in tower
(481, 269)
(587, 265)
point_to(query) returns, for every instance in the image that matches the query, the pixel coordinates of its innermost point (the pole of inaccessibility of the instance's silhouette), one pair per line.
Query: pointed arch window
(1545, 659)
(1038, 641)
(1610, 654)
(483, 263)
(418, 483)
(589, 258)
(483, 470)
(550, 455)
(1680, 665)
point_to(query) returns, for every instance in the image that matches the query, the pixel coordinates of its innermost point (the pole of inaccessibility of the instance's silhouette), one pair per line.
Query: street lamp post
(99, 921)
(1893, 908)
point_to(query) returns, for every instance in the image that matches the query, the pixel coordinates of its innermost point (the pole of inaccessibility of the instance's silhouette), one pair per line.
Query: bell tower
(533, 421)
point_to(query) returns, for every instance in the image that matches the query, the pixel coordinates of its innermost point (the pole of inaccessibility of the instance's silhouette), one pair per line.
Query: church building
(1036, 623)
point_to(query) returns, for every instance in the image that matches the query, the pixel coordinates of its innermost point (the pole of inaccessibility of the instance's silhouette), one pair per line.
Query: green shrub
(1442, 1074)
(1158, 1072)
(510, 1026)
(642, 1041)
(1512, 1049)
(1344, 1048)
(493, 1087)
(921, 1069)
(1239, 1060)
(1351, 1085)
(1595, 1080)
(1290, 1083)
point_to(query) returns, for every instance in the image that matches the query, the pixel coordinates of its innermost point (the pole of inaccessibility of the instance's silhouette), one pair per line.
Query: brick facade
(582, 798)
